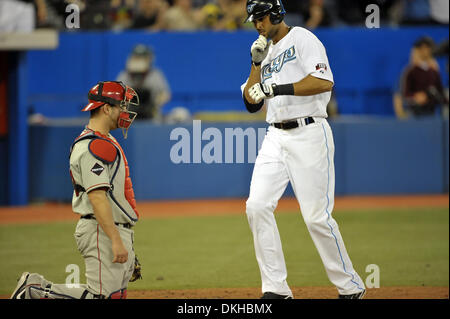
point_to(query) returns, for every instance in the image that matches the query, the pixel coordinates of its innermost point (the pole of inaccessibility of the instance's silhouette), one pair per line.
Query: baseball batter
(103, 197)
(291, 76)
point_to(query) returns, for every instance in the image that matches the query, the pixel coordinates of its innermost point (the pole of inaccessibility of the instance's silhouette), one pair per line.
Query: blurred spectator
(442, 50)
(94, 14)
(415, 12)
(316, 14)
(150, 15)
(237, 15)
(121, 13)
(352, 12)
(182, 17)
(212, 13)
(41, 11)
(225, 14)
(55, 14)
(149, 83)
(294, 12)
(19, 16)
(439, 11)
(421, 90)
(101, 14)
(178, 115)
(200, 3)
(332, 107)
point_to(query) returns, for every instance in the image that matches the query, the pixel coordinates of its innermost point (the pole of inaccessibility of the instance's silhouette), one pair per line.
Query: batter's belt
(124, 225)
(293, 124)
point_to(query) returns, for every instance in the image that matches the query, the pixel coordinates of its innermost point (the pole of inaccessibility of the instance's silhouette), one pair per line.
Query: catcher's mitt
(137, 270)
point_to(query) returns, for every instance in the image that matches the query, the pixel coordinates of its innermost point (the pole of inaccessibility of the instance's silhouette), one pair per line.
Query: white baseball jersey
(299, 54)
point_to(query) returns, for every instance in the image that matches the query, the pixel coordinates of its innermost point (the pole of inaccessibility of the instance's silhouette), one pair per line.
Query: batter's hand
(260, 91)
(120, 253)
(259, 49)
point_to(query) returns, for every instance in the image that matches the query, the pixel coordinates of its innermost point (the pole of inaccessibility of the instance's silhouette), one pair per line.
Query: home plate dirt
(299, 293)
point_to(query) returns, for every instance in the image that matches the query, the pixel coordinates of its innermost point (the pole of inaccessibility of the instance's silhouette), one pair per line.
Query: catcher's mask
(114, 93)
(256, 9)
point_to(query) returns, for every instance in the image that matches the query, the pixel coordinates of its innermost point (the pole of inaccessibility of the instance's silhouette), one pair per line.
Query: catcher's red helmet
(111, 92)
(117, 94)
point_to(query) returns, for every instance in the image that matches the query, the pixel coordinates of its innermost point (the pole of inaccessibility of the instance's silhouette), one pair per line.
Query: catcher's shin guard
(59, 291)
(35, 286)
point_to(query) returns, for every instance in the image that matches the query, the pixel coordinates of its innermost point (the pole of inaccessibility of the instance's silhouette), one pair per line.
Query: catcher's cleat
(272, 295)
(359, 295)
(20, 288)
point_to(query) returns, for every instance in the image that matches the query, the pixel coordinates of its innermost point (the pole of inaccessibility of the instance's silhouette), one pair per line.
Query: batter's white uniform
(302, 156)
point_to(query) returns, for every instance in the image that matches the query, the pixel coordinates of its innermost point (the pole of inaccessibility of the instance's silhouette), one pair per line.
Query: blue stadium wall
(373, 156)
(205, 71)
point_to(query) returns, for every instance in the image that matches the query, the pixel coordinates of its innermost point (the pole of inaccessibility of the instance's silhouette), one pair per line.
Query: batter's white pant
(303, 156)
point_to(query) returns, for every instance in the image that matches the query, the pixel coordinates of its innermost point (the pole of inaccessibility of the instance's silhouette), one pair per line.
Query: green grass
(411, 248)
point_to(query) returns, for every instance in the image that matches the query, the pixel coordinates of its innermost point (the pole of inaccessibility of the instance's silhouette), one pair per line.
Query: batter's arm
(312, 85)
(255, 77)
(103, 215)
(258, 52)
(309, 85)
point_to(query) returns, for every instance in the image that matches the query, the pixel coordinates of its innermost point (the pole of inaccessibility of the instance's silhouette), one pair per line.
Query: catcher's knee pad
(36, 279)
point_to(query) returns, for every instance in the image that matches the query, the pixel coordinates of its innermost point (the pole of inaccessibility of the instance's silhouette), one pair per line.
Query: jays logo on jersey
(277, 64)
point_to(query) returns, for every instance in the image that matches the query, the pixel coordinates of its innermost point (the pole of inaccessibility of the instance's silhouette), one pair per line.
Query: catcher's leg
(269, 180)
(103, 276)
(35, 286)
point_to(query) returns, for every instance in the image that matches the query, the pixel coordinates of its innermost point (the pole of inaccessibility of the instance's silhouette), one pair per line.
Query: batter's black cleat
(18, 293)
(359, 295)
(272, 295)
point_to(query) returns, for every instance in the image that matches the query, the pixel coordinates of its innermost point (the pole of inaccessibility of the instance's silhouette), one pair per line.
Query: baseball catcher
(103, 197)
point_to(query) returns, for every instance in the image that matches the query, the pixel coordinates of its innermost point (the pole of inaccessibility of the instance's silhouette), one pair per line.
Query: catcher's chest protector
(109, 152)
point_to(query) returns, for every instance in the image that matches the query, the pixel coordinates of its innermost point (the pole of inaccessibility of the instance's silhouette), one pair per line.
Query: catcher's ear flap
(103, 150)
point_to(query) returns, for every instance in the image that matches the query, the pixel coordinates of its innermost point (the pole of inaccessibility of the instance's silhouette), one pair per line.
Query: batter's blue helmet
(256, 9)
